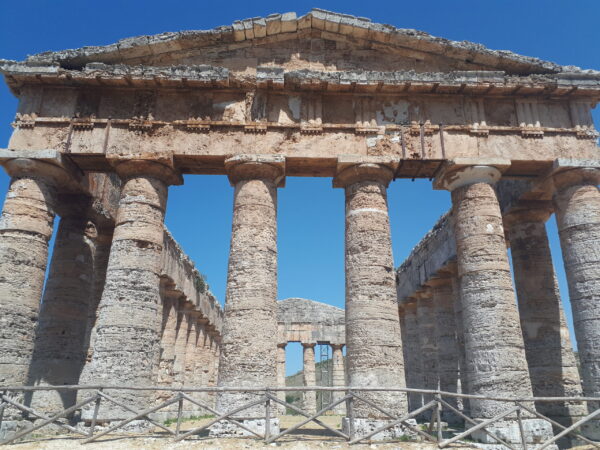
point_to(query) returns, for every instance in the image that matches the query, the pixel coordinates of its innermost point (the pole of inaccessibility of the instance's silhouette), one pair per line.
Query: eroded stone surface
(25, 229)
(494, 347)
(447, 344)
(247, 358)
(412, 353)
(374, 347)
(577, 202)
(548, 348)
(60, 346)
(310, 379)
(127, 335)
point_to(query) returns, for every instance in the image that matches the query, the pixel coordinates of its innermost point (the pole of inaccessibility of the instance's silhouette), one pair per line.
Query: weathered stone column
(102, 246)
(447, 346)
(60, 349)
(374, 346)
(248, 357)
(412, 352)
(338, 376)
(309, 377)
(170, 301)
(427, 345)
(548, 349)
(179, 350)
(128, 327)
(203, 359)
(191, 354)
(577, 206)
(464, 405)
(281, 375)
(25, 229)
(496, 363)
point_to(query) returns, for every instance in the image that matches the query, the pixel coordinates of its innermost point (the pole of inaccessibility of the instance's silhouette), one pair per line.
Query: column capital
(461, 172)
(571, 172)
(337, 346)
(353, 169)
(161, 167)
(534, 211)
(308, 345)
(256, 167)
(50, 165)
(282, 345)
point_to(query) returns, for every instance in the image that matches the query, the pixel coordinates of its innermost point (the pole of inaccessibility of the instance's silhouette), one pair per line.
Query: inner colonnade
(327, 95)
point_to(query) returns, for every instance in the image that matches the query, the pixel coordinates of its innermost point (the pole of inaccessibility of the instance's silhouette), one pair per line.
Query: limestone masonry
(101, 133)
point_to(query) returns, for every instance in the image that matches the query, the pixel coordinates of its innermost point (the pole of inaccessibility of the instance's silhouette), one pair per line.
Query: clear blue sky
(311, 220)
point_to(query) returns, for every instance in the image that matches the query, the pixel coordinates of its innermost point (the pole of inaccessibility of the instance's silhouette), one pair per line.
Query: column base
(364, 426)
(536, 431)
(227, 429)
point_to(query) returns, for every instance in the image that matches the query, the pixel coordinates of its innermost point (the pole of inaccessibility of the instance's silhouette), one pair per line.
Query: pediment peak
(147, 50)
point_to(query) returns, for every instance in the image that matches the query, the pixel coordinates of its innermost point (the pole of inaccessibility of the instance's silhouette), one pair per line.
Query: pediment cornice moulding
(276, 78)
(279, 25)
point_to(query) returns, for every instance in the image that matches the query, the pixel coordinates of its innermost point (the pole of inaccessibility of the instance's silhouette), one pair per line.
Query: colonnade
(464, 329)
(338, 376)
(106, 316)
(495, 351)
(189, 352)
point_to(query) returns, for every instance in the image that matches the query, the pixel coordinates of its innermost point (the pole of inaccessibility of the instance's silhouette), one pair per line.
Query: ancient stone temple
(101, 133)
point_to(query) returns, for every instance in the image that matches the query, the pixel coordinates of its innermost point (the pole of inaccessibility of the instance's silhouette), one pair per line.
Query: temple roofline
(317, 19)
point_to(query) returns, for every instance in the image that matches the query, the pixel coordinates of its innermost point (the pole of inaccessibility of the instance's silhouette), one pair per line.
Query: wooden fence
(433, 432)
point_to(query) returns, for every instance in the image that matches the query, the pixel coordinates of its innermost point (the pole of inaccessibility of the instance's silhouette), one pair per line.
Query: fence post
(350, 415)
(438, 416)
(96, 409)
(179, 411)
(267, 415)
(523, 440)
(2, 406)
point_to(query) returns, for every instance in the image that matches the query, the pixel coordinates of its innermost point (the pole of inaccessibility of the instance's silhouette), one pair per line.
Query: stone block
(228, 429)
(536, 431)
(364, 426)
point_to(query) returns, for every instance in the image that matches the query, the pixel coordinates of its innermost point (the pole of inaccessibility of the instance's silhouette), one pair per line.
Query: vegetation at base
(169, 422)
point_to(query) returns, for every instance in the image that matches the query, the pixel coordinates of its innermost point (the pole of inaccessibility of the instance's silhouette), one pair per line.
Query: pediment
(319, 40)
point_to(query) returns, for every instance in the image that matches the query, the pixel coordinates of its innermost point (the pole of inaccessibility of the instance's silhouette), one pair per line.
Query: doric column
(102, 246)
(577, 206)
(412, 352)
(203, 359)
(25, 229)
(338, 377)
(170, 300)
(60, 349)
(127, 338)
(181, 333)
(447, 346)
(460, 341)
(191, 347)
(374, 345)
(215, 342)
(427, 344)
(247, 356)
(552, 365)
(309, 377)
(496, 364)
(281, 374)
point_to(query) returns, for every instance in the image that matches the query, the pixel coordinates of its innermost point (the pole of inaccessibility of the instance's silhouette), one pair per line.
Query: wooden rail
(96, 394)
